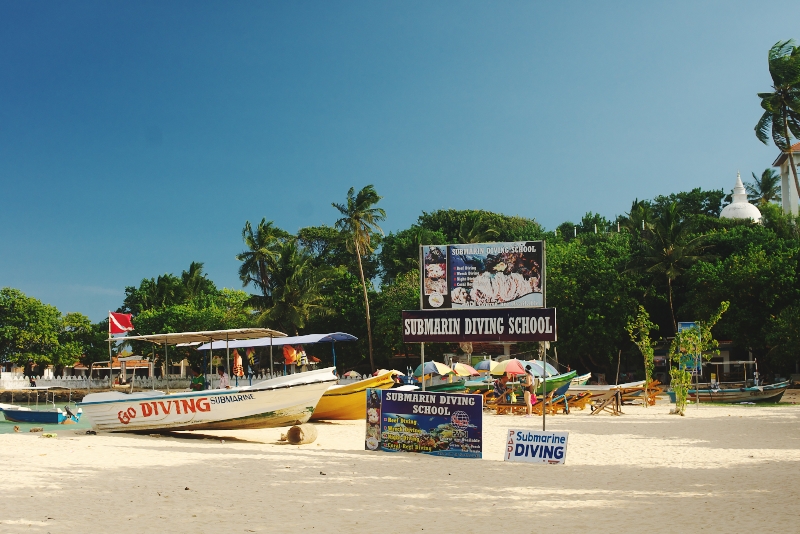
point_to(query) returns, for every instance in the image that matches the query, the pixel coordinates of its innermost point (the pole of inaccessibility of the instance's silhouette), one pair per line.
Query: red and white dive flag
(119, 323)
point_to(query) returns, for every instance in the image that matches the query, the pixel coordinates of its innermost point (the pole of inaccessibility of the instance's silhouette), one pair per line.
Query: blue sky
(138, 137)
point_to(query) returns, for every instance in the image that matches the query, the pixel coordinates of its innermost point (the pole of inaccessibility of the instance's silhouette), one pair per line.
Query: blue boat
(53, 416)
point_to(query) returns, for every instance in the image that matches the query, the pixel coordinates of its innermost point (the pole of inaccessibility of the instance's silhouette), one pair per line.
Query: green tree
(262, 247)
(783, 335)
(400, 251)
(296, 285)
(400, 294)
(781, 118)
(687, 345)
(671, 249)
(359, 223)
(595, 297)
(29, 329)
(74, 337)
(509, 228)
(756, 271)
(765, 189)
(639, 329)
(168, 290)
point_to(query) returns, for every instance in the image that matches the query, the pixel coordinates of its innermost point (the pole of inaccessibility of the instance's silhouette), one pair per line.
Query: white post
(422, 369)
(788, 190)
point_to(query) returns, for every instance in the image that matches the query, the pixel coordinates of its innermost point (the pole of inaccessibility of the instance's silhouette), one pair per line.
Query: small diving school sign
(535, 446)
(441, 424)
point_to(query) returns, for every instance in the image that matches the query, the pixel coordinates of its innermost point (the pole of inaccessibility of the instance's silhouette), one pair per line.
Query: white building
(788, 189)
(740, 208)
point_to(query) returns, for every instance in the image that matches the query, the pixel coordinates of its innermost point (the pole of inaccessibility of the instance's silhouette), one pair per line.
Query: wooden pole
(271, 372)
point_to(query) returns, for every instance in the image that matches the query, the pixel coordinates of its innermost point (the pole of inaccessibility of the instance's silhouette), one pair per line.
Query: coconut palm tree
(765, 189)
(295, 287)
(670, 249)
(781, 118)
(359, 224)
(474, 229)
(262, 245)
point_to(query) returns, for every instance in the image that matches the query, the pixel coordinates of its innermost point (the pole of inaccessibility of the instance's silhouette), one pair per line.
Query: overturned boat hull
(282, 401)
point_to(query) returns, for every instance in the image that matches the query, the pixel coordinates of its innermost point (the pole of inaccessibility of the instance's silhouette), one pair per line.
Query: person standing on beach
(527, 386)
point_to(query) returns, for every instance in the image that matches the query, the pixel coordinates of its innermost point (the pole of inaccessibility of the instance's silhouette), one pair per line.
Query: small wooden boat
(455, 386)
(555, 382)
(599, 389)
(581, 380)
(53, 416)
(349, 401)
(768, 393)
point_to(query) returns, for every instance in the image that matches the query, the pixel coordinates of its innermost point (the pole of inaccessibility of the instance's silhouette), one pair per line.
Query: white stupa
(740, 208)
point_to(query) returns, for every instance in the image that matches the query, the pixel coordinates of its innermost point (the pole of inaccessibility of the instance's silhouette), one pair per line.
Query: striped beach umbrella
(432, 368)
(462, 369)
(512, 367)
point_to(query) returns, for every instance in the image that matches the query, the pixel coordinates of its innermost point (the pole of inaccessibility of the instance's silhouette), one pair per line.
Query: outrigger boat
(768, 393)
(49, 416)
(349, 401)
(581, 380)
(281, 401)
(54, 416)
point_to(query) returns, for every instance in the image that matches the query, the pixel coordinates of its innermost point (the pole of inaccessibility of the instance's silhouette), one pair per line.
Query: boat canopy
(309, 339)
(176, 338)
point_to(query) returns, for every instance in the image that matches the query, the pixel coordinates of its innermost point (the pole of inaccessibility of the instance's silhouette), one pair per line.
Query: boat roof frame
(176, 338)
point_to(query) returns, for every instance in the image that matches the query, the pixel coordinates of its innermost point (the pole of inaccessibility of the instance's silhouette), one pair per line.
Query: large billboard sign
(482, 275)
(441, 424)
(459, 326)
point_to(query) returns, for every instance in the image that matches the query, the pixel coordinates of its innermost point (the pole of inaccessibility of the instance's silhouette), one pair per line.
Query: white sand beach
(721, 468)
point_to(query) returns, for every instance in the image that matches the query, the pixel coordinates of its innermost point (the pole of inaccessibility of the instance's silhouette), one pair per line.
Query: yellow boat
(349, 401)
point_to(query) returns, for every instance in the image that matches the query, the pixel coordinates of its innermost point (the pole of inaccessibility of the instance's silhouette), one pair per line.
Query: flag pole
(110, 362)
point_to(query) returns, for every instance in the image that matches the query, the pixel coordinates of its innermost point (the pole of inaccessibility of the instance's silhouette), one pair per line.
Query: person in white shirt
(224, 383)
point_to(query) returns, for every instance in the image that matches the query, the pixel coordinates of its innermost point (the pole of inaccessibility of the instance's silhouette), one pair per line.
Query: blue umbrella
(485, 365)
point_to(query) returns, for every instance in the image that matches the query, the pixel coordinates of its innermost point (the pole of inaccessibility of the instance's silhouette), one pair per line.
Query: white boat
(605, 387)
(282, 401)
(581, 380)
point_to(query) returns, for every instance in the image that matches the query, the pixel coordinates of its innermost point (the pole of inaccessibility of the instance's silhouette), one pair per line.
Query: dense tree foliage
(670, 258)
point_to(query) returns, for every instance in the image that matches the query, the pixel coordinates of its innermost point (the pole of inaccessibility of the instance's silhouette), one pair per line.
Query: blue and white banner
(442, 424)
(535, 446)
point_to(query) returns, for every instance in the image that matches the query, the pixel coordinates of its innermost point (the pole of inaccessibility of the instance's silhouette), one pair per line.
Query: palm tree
(195, 281)
(781, 118)
(474, 229)
(262, 245)
(765, 189)
(295, 287)
(670, 250)
(359, 223)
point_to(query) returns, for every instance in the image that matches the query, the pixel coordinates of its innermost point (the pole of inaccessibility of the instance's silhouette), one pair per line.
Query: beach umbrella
(536, 368)
(512, 367)
(462, 369)
(432, 368)
(486, 365)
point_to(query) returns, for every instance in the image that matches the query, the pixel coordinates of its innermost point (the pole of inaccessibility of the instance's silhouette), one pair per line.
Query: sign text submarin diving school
(509, 324)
